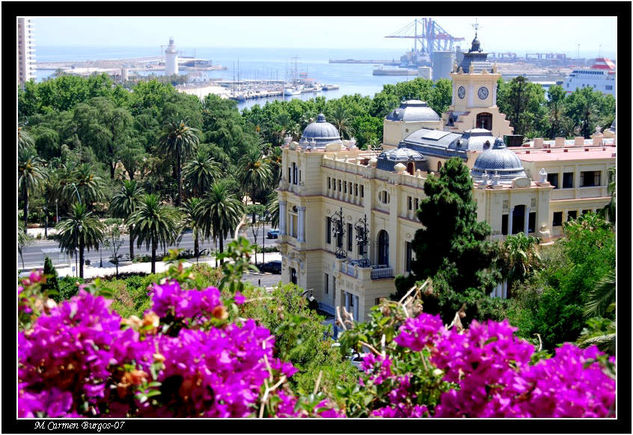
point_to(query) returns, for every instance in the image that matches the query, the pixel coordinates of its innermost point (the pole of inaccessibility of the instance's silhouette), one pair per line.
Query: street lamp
(45, 222)
(56, 212)
(338, 231)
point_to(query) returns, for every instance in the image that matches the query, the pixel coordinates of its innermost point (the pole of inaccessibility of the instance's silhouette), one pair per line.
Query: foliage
(51, 285)
(523, 103)
(451, 247)
(519, 257)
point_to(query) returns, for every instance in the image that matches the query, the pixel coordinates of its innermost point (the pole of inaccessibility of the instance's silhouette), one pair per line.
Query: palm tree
(23, 239)
(601, 298)
(82, 230)
(519, 256)
(84, 185)
(191, 218)
(25, 140)
(341, 121)
(178, 140)
(220, 212)
(200, 172)
(254, 173)
(31, 176)
(124, 204)
(153, 224)
(273, 209)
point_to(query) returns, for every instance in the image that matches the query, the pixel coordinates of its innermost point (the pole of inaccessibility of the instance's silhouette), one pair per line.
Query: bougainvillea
(492, 374)
(82, 359)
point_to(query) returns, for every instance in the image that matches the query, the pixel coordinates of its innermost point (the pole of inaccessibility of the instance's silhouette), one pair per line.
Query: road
(35, 253)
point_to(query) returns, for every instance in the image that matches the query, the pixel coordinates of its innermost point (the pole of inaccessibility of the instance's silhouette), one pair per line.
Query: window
(532, 222)
(350, 239)
(408, 255)
(589, 178)
(344, 187)
(571, 215)
(568, 180)
(355, 189)
(299, 175)
(586, 211)
(329, 183)
(350, 187)
(383, 196)
(294, 173)
(362, 191)
(409, 203)
(289, 174)
(326, 279)
(504, 224)
(553, 180)
(328, 230)
(416, 204)
(558, 219)
(339, 185)
(334, 184)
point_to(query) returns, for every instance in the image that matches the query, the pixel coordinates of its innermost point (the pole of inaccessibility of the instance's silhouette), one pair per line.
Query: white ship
(600, 77)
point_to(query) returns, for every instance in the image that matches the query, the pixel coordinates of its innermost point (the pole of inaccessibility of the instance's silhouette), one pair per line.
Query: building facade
(26, 51)
(347, 216)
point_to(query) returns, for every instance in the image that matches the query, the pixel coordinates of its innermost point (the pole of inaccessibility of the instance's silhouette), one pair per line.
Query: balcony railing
(381, 271)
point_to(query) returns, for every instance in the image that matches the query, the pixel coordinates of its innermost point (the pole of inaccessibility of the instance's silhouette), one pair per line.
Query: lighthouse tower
(171, 59)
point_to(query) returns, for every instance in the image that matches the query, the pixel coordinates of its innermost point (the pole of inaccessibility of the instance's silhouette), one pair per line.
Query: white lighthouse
(171, 59)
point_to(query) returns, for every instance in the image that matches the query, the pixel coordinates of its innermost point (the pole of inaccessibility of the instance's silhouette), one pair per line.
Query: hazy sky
(518, 34)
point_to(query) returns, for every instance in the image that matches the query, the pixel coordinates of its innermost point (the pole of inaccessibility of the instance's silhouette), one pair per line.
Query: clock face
(461, 92)
(483, 92)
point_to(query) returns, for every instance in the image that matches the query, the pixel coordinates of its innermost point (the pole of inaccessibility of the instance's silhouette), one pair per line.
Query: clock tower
(474, 102)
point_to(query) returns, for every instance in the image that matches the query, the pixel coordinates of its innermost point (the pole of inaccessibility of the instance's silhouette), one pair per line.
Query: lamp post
(338, 231)
(56, 212)
(362, 240)
(45, 222)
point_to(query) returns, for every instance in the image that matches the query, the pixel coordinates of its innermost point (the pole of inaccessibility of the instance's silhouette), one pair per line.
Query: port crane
(429, 35)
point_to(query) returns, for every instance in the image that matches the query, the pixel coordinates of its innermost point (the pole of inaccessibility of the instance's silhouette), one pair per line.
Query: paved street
(35, 253)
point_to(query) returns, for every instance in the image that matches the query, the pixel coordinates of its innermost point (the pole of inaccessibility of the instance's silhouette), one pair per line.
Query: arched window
(411, 168)
(484, 120)
(439, 166)
(383, 247)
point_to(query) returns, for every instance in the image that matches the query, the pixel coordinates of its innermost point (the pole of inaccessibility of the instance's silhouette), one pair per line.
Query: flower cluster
(82, 359)
(496, 378)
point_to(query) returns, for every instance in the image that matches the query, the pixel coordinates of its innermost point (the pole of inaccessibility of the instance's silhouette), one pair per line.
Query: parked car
(272, 234)
(272, 267)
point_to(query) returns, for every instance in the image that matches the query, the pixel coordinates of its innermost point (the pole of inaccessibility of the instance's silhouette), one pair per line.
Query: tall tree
(519, 257)
(191, 211)
(124, 203)
(153, 224)
(255, 175)
(200, 172)
(84, 185)
(24, 140)
(556, 111)
(178, 140)
(80, 231)
(31, 176)
(524, 105)
(220, 212)
(452, 246)
(589, 109)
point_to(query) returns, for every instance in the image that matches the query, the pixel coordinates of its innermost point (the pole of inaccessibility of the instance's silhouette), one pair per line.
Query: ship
(395, 72)
(600, 77)
(330, 87)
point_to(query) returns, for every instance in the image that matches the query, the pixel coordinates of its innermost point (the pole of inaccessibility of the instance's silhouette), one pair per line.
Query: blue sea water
(256, 63)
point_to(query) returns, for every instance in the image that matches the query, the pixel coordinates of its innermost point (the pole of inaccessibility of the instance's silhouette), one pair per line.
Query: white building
(26, 51)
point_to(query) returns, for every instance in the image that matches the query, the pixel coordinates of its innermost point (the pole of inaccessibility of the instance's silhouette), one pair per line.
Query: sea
(256, 63)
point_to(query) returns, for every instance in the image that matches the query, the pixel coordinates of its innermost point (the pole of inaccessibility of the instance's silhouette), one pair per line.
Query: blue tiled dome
(498, 160)
(413, 111)
(319, 133)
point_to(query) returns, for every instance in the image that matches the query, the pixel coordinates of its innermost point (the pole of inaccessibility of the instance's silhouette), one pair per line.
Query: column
(526, 221)
(510, 218)
(282, 217)
(301, 237)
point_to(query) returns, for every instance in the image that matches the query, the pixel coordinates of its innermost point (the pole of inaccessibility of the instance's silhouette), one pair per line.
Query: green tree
(50, 273)
(191, 211)
(23, 239)
(451, 247)
(519, 257)
(200, 172)
(524, 105)
(178, 140)
(608, 210)
(124, 203)
(24, 140)
(255, 175)
(153, 224)
(556, 112)
(82, 183)
(31, 177)
(80, 231)
(220, 212)
(588, 109)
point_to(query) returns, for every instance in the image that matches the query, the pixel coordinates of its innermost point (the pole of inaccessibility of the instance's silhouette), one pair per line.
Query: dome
(479, 139)
(413, 111)
(498, 160)
(387, 160)
(319, 133)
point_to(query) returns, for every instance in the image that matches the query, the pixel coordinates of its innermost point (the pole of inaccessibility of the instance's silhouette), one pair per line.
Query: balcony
(362, 270)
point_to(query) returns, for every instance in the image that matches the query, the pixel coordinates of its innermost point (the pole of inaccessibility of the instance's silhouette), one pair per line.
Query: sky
(497, 34)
